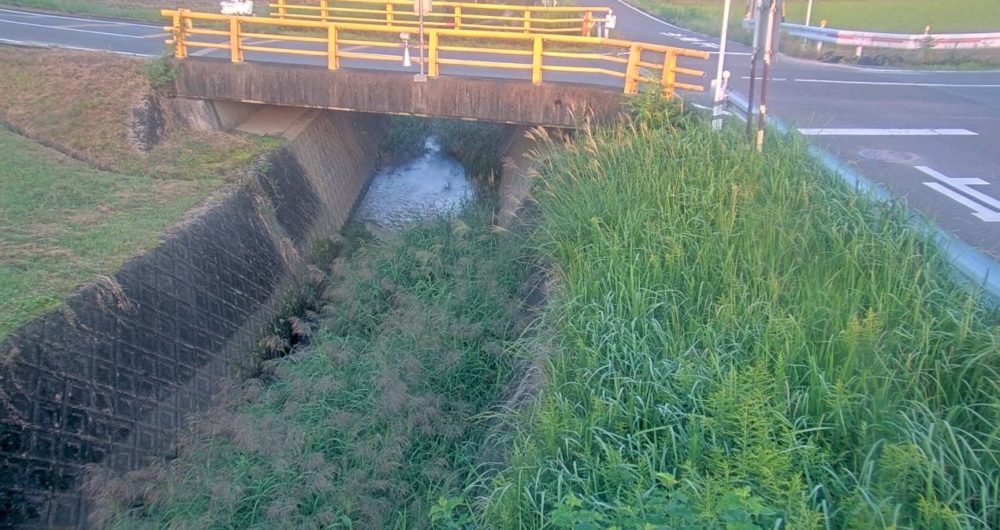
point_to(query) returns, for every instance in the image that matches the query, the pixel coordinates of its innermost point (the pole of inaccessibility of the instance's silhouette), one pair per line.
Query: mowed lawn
(63, 223)
(904, 16)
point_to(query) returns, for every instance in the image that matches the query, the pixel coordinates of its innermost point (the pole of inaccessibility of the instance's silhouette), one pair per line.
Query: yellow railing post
(458, 17)
(235, 51)
(432, 54)
(282, 10)
(669, 73)
(632, 69)
(388, 14)
(180, 47)
(527, 21)
(587, 24)
(324, 10)
(332, 61)
(536, 62)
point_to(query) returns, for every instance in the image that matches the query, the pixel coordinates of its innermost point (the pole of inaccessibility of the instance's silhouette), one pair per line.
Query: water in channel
(432, 184)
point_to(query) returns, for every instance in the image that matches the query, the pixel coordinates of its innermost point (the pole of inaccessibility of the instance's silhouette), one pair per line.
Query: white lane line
(981, 209)
(63, 17)
(650, 17)
(63, 28)
(885, 132)
(896, 83)
(30, 44)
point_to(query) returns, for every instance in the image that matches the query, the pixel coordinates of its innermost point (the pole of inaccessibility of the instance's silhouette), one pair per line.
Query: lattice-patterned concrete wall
(109, 379)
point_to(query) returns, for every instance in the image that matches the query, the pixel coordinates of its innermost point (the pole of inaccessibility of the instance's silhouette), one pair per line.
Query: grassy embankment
(377, 419)
(736, 341)
(63, 222)
(744, 343)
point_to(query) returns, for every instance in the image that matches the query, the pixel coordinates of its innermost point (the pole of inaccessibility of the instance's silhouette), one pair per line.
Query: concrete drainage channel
(110, 379)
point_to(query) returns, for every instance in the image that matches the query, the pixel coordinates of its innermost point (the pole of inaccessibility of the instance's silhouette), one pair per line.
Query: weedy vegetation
(373, 423)
(746, 343)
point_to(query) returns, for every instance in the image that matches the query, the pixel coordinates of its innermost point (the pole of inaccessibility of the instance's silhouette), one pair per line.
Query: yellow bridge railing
(449, 15)
(590, 59)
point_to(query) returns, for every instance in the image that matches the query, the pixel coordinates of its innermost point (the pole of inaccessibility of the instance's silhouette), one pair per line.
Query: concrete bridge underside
(484, 99)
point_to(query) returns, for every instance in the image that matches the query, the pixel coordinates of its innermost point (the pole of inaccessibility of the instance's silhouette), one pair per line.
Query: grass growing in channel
(744, 343)
(378, 418)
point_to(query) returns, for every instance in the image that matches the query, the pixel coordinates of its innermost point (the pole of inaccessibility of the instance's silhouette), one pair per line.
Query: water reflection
(430, 185)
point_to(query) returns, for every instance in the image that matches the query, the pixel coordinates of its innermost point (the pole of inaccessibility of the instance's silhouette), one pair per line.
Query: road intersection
(930, 137)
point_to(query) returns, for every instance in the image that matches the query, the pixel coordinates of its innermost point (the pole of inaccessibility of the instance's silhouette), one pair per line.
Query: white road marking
(14, 42)
(122, 35)
(896, 83)
(886, 132)
(647, 15)
(63, 17)
(981, 209)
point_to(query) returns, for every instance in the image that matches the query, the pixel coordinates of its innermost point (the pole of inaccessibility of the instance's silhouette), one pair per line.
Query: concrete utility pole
(772, 13)
(422, 7)
(720, 75)
(809, 11)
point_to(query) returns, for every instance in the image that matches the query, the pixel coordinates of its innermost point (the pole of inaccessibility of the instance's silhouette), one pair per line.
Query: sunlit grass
(743, 341)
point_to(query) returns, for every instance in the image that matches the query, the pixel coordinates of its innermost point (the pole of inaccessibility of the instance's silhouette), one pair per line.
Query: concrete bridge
(525, 77)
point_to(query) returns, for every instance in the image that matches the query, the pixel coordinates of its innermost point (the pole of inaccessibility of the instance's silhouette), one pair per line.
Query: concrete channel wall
(109, 379)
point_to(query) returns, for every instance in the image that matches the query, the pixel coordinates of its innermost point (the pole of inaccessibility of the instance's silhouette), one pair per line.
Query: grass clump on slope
(745, 343)
(378, 419)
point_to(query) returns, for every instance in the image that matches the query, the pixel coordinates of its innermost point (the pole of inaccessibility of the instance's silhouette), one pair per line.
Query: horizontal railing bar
(591, 56)
(202, 31)
(498, 51)
(463, 5)
(583, 70)
(369, 56)
(190, 44)
(290, 38)
(375, 44)
(689, 71)
(268, 49)
(491, 64)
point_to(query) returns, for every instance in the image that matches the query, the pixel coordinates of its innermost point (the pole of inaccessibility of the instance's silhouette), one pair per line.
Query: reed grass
(745, 343)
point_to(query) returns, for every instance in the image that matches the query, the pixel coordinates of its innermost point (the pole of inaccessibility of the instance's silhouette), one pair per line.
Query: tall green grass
(745, 343)
(374, 422)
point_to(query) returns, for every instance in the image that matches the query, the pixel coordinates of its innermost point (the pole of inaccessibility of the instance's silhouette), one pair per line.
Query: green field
(62, 223)
(903, 16)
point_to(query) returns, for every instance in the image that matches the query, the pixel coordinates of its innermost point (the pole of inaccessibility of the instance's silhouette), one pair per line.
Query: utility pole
(754, 58)
(809, 11)
(768, 58)
(421, 7)
(720, 87)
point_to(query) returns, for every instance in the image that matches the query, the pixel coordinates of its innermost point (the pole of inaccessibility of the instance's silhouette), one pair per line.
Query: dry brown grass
(80, 103)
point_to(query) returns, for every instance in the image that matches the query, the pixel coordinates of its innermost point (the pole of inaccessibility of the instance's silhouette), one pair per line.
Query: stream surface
(432, 184)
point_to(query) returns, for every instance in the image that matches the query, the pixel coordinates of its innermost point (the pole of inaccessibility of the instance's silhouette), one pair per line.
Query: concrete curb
(976, 270)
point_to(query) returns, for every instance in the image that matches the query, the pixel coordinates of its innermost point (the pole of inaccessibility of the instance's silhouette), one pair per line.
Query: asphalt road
(930, 137)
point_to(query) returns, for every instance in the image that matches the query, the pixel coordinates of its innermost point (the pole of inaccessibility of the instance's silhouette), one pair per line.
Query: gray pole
(809, 11)
(768, 56)
(720, 93)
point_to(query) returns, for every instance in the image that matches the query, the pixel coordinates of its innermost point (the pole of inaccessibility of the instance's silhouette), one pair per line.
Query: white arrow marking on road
(980, 209)
(886, 132)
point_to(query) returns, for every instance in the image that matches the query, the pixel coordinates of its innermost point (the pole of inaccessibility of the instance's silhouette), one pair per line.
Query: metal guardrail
(922, 41)
(335, 41)
(449, 15)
